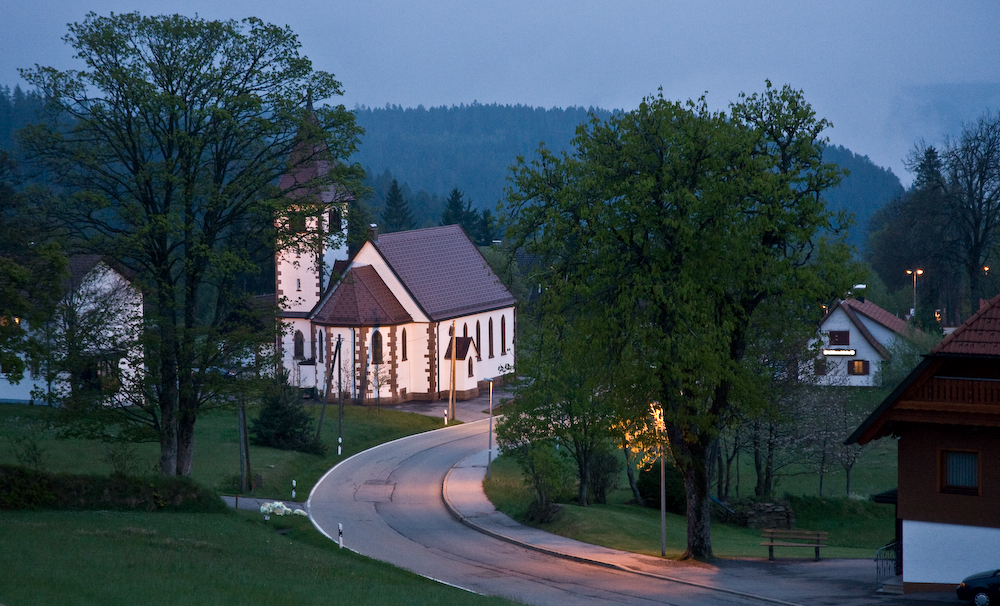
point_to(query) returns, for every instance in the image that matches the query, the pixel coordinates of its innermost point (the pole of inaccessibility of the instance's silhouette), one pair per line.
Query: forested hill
(473, 146)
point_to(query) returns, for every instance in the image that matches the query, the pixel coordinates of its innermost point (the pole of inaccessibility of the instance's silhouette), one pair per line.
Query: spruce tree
(396, 216)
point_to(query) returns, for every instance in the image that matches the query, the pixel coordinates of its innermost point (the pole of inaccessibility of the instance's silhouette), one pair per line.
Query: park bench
(793, 538)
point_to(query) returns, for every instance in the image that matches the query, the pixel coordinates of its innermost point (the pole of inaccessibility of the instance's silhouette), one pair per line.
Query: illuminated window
(857, 367)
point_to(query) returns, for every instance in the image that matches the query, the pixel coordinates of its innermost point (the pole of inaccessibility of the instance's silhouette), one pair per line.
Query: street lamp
(489, 452)
(914, 273)
(660, 430)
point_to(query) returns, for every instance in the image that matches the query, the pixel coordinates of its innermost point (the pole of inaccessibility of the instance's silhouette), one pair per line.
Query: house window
(503, 335)
(840, 337)
(376, 347)
(819, 367)
(858, 367)
(478, 342)
(960, 472)
(490, 336)
(404, 345)
(470, 366)
(300, 345)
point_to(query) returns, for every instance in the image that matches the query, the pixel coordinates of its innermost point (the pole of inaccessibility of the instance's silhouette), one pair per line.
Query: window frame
(865, 368)
(839, 337)
(944, 487)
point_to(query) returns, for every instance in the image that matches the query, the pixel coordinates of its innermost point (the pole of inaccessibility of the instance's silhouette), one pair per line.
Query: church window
(489, 334)
(470, 366)
(376, 347)
(479, 356)
(300, 345)
(335, 223)
(322, 343)
(404, 345)
(465, 330)
(298, 223)
(298, 284)
(503, 335)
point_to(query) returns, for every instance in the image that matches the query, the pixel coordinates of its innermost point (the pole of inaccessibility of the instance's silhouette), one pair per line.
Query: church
(379, 325)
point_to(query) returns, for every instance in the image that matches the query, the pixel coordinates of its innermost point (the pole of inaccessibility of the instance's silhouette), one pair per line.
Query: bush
(605, 471)
(22, 488)
(284, 424)
(648, 484)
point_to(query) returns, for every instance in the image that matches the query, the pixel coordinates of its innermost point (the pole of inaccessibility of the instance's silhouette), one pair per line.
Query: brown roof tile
(876, 313)
(444, 271)
(462, 344)
(361, 299)
(979, 335)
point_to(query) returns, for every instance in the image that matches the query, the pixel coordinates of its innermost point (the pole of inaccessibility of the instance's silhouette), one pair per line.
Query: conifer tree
(396, 216)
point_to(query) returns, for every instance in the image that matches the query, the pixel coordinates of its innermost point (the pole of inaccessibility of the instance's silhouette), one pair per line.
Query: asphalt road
(389, 502)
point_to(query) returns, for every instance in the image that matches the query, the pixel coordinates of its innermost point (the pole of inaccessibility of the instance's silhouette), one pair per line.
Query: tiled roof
(361, 299)
(978, 336)
(876, 313)
(462, 344)
(444, 271)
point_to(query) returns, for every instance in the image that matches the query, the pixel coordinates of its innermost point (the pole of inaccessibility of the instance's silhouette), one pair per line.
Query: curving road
(389, 502)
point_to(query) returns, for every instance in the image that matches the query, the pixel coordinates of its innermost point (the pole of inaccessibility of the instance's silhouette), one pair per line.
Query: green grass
(857, 528)
(124, 558)
(216, 450)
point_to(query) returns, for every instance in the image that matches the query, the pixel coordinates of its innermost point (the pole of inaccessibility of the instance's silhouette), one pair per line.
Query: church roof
(463, 345)
(977, 336)
(361, 299)
(444, 271)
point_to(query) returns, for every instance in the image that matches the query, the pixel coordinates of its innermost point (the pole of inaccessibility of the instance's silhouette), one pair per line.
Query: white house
(100, 316)
(856, 337)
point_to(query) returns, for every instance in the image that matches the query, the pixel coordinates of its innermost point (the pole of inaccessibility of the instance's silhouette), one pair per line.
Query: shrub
(283, 423)
(22, 488)
(605, 471)
(648, 484)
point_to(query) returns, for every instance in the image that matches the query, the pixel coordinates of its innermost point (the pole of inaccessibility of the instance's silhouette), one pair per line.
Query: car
(982, 588)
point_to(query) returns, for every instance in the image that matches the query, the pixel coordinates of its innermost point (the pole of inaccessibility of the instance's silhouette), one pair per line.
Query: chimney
(373, 232)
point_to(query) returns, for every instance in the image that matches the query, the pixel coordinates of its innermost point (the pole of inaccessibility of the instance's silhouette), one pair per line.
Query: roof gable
(361, 298)
(443, 271)
(464, 345)
(978, 336)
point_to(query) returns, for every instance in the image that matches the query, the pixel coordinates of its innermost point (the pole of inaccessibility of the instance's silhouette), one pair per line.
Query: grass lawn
(216, 448)
(857, 528)
(58, 557)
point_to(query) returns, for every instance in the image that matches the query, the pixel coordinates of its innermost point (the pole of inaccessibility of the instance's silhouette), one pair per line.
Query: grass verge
(857, 528)
(236, 558)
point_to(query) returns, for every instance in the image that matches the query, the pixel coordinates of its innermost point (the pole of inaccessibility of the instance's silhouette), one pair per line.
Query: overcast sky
(885, 72)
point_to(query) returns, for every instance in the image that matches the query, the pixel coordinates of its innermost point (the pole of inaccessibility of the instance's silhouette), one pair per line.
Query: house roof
(361, 298)
(855, 307)
(81, 265)
(443, 271)
(978, 336)
(463, 345)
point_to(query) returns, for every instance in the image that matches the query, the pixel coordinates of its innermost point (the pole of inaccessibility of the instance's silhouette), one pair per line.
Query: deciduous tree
(172, 138)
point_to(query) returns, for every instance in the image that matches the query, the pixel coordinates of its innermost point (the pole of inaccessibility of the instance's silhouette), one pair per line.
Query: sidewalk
(788, 582)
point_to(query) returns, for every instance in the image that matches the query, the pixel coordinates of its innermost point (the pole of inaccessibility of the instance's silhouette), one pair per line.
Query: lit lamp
(914, 273)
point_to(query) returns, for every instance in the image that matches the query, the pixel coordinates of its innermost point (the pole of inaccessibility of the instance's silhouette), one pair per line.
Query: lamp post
(914, 273)
(489, 452)
(660, 430)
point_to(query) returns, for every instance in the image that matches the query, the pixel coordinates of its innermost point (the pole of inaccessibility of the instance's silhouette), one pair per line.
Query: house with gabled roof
(946, 418)
(100, 313)
(856, 338)
(387, 323)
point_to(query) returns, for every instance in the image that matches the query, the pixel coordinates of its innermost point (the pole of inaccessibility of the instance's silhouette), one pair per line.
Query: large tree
(172, 139)
(674, 225)
(396, 216)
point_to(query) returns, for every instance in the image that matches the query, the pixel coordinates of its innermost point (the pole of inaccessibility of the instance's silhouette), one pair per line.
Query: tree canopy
(171, 140)
(673, 226)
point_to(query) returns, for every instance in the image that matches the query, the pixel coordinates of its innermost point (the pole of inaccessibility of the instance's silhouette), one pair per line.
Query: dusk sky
(885, 73)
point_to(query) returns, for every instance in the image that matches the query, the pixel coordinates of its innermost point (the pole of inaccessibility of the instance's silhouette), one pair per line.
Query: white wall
(947, 553)
(836, 366)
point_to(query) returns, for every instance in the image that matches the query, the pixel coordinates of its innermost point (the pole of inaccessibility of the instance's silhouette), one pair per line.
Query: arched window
(404, 345)
(335, 224)
(503, 335)
(376, 347)
(300, 345)
(479, 355)
(322, 343)
(470, 366)
(465, 330)
(489, 336)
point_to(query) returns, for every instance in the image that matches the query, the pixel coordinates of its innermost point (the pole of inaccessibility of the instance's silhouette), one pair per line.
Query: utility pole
(451, 392)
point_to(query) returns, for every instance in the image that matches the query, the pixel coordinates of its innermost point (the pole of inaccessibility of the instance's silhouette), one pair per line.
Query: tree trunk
(185, 442)
(630, 472)
(699, 522)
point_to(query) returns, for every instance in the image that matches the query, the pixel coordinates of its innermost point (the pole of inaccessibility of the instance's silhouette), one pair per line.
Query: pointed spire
(309, 100)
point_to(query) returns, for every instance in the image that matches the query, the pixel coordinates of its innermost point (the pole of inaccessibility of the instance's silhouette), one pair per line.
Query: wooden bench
(793, 538)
